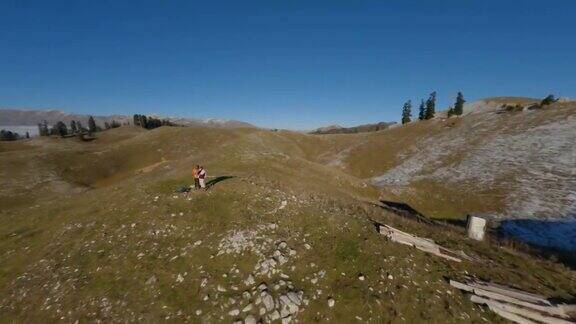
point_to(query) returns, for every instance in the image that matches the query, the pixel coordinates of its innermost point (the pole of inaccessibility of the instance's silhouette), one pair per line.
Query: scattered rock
(287, 306)
(234, 312)
(331, 302)
(152, 280)
(247, 308)
(250, 280)
(274, 316)
(295, 297)
(268, 301)
(250, 319)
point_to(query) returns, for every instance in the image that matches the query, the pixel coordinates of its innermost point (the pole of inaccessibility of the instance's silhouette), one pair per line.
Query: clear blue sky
(280, 63)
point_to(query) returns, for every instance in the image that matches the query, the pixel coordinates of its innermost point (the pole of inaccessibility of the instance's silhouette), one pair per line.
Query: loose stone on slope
(331, 302)
(152, 280)
(247, 308)
(268, 301)
(234, 312)
(250, 280)
(250, 319)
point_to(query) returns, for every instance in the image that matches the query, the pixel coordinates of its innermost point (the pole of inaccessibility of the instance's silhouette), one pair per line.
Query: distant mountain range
(17, 117)
(337, 129)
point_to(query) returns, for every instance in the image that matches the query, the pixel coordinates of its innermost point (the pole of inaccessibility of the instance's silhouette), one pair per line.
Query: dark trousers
(196, 183)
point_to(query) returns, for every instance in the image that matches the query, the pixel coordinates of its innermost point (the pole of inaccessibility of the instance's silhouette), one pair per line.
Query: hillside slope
(337, 129)
(95, 231)
(510, 164)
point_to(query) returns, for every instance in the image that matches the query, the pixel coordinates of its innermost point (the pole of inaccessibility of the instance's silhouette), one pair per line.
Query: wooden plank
(461, 286)
(527, 313)
(511, 316)
(511, 292)
(422, 244)
(545, 309)
(473, 287)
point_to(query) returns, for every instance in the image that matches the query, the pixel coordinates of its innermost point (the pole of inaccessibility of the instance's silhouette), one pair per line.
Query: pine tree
(136, 120)
(451, 112)
(407, 112)
(422, 113)
(92, 125)
(43, 129)
(61, 129)
(431, 106)
(459, 106)
(73, 127)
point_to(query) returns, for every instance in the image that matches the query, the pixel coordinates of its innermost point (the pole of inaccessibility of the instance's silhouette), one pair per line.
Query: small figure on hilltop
(202, 177)
(195, 172)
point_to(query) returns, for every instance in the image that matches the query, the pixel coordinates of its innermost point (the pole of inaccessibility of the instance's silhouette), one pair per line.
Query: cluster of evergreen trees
(112, 124)
(427, 109)
(6, 135)
(150, 122)
(76, 127)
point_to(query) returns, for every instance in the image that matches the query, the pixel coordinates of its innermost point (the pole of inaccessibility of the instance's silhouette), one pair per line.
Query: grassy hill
(503, 163)
(95, 230)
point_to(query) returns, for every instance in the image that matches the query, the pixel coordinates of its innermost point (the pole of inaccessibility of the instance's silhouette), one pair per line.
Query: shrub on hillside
(550, 99)
(512, 108)
(150, 122)
(61, 129)
(8, 135)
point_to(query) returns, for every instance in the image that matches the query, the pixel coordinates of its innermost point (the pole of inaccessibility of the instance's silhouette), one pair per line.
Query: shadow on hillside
(213, 182)
(405, 210)
(551, 240)
(452, 221)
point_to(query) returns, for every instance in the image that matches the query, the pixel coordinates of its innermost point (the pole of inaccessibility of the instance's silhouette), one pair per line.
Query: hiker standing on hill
(202, 177)
(195, 174)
